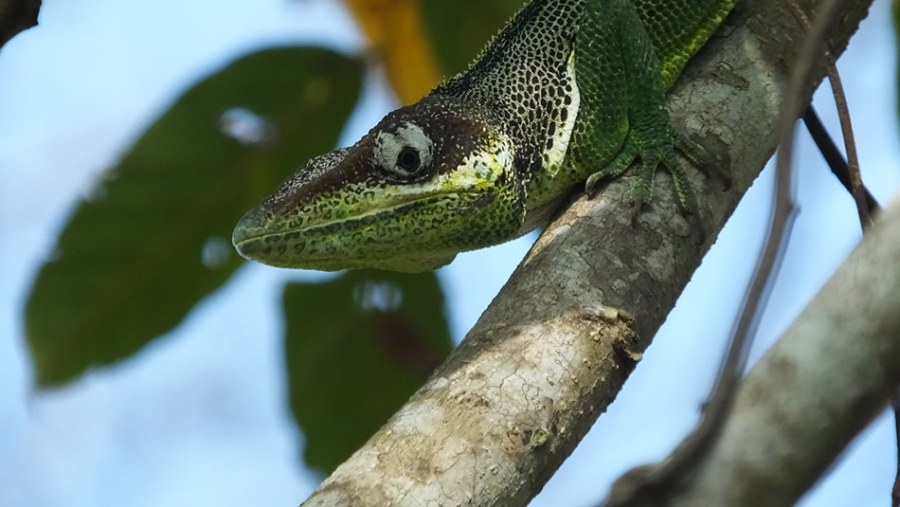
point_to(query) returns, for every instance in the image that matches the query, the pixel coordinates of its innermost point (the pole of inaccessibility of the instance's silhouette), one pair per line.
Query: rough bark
(832, 371)
(552, 350)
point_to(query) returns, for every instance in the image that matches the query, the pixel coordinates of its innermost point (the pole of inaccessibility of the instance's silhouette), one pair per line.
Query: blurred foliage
(395, 34)
(153, 239)
(895, 12)
(461, 28)
(422, 41)
(155, 235)
(357, 348)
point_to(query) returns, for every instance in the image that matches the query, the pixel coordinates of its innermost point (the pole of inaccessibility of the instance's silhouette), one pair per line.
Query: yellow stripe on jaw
(481, 169)
(478, 171)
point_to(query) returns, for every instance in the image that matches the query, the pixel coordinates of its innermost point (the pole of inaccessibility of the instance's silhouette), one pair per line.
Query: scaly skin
(570, 90)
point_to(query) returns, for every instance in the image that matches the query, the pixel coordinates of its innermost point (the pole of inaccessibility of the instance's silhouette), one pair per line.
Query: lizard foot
(653, 151)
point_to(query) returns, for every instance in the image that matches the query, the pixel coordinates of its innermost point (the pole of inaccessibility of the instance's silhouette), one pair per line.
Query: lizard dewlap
(570, 90)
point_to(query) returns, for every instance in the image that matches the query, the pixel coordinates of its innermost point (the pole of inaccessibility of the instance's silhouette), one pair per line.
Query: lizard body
(570, 90)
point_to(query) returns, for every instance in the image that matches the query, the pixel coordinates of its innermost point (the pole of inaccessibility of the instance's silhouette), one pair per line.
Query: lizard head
(430, 180)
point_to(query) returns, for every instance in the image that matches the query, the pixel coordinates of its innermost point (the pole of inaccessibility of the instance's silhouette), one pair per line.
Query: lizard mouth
(257, 237)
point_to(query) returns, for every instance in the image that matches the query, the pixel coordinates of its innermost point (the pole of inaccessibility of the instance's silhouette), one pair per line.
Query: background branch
(15, 16)
(831, 372)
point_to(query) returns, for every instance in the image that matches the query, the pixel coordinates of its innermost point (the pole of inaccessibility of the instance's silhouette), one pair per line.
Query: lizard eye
(406, 152)
(408, 159)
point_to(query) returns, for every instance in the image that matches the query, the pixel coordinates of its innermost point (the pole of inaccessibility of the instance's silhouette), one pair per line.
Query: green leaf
(156, 235)
(357, 347)
(461, 28)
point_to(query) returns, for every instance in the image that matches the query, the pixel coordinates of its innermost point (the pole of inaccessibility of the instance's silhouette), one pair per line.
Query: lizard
(569, 91)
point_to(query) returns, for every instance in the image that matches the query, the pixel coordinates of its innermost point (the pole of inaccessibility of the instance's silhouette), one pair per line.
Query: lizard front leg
(623, 116)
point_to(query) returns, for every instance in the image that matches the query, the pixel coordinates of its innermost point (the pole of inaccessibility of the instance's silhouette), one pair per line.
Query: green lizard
(570, 90)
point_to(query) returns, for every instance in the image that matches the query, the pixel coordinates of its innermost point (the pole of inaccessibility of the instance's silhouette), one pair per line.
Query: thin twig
(834, 158)
(843, 109)
(685, 457)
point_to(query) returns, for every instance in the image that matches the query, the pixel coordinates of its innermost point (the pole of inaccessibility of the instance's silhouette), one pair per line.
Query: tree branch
(15, 16)
(832, 371)
(554, 348)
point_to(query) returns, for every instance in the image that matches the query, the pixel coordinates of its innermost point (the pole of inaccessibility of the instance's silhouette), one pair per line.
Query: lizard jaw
(320, 246)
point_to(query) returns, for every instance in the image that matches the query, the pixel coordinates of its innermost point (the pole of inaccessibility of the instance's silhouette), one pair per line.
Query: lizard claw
(612, 170)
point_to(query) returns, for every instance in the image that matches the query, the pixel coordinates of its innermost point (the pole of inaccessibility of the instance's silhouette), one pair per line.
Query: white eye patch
(405, 152)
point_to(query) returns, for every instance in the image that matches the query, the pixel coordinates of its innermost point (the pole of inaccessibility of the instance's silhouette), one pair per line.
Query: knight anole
(570, 90)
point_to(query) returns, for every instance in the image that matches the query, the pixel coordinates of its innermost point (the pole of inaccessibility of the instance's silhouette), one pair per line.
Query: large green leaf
(357, 347)
(155, 237)
(461, 28)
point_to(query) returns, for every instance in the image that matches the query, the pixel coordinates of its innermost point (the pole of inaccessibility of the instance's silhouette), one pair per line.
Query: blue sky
(199, 416)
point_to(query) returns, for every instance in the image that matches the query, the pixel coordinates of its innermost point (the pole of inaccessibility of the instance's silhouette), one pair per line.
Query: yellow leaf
(396, 34)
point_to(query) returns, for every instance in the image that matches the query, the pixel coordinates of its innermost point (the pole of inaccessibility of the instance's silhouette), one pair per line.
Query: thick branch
(830, 373)
(556, 345)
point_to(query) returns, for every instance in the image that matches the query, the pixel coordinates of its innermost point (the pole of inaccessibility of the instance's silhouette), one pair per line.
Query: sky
(199, 416)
